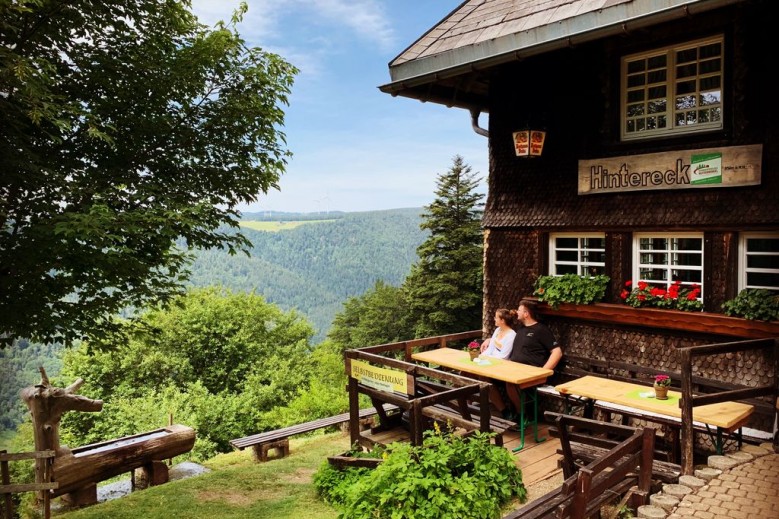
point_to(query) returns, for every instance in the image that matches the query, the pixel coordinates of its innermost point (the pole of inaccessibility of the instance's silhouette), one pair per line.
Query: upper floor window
(759, 261)
(661, 259)
(673, 90)
(582, 254)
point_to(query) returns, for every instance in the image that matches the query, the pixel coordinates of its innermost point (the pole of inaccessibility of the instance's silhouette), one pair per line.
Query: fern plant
(756, 304)
(570, 288)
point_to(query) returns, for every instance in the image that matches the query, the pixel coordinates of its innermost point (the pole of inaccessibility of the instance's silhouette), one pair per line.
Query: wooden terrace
(424, 395)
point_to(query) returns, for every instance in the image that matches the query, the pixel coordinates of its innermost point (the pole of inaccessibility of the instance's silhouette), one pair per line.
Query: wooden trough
(78, 471)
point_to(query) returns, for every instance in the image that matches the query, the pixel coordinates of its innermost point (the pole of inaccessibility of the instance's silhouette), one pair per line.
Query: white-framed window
(582, 254)
(676, 89)
(759, 261)
(661, 259)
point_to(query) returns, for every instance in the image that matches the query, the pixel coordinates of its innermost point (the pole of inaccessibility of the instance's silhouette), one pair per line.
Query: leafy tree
(445, 287)
(378, 316)
(123, 127)
(324, 395)
(215, 359)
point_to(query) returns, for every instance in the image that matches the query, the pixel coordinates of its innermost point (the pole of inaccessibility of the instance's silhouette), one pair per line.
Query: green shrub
(757, 304)
(447, 477)
(570, 288)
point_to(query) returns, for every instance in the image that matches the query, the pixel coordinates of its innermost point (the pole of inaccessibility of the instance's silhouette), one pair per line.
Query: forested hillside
(18, 369)
(315, 267)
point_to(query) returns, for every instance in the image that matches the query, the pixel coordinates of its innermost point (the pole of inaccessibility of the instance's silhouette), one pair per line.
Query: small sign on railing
(381, 379)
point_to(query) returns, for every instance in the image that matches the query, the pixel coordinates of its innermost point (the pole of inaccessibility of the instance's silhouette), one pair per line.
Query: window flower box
(702, 322)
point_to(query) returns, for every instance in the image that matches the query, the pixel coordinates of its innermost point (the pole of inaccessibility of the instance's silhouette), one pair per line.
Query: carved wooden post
(47, 404)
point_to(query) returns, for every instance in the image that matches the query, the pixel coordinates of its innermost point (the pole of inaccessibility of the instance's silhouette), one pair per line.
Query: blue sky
(355, 148)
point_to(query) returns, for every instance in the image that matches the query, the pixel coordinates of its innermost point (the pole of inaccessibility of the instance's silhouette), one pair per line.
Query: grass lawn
(237, 487)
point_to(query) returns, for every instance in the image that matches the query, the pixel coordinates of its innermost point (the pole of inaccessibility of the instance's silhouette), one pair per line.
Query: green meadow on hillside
(277, 225)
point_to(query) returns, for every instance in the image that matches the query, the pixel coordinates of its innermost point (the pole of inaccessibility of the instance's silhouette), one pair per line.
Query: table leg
(524, 422)
(719, 439)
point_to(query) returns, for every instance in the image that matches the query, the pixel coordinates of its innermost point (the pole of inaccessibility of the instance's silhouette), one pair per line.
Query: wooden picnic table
(725, 416)
(524, 376)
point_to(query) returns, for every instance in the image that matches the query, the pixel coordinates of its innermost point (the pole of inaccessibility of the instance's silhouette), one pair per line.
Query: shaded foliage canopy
(124, 126)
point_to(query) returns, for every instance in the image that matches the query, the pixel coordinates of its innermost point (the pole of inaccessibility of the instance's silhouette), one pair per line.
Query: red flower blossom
(640, 297)
(624, 294)
(628, 283)
(642, 285)
(657, 292)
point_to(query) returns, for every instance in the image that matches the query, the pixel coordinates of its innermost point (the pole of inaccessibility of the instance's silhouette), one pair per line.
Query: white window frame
(743, 269)
(581, 266)
(705, 97)
(637, 265)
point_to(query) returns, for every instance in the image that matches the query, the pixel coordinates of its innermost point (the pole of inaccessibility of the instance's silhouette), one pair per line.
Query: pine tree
(444, 288)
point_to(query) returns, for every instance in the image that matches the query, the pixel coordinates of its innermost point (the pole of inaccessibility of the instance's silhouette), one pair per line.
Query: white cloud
(355, 149)
(366, 18)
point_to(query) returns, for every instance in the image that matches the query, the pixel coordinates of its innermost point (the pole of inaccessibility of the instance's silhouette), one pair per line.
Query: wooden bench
(571, 367)
(278, 439)
(464, 419)
(463, 413)
(583, 440)
(624, 468)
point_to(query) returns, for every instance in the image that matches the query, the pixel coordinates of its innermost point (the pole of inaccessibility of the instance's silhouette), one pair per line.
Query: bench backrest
(624, 465)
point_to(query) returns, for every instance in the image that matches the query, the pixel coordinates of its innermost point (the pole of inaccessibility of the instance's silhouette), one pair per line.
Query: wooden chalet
(659, 161)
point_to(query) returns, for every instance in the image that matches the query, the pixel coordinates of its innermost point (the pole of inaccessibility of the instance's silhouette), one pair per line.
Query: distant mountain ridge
(315, 268)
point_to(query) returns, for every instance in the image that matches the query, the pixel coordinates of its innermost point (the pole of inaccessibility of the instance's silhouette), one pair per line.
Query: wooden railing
(410, 346)
(689, 400)
(418, 406)
(43, 483)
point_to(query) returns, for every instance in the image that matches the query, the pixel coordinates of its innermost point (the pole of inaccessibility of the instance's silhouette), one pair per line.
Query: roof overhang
(457, 77)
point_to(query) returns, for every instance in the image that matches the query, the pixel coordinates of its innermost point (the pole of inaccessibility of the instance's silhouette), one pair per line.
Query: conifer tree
(444, 288)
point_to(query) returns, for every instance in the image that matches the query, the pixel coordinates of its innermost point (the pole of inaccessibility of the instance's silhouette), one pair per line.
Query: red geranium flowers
(676, 297)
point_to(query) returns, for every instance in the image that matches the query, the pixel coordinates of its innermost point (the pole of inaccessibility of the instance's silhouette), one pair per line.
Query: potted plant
(662, 383)
(676, 297)
(754, 304)
(474, 349)
(570, 288)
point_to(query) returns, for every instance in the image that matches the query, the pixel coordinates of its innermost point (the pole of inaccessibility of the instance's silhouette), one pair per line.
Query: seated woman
(500, 346)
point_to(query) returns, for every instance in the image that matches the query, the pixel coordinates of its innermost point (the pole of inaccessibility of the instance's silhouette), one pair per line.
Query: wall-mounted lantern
(529, 143)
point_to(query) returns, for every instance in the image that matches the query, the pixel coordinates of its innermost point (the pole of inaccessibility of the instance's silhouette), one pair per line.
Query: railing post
(6, 480)
(354, 410)
(484, 407)
(688, 434)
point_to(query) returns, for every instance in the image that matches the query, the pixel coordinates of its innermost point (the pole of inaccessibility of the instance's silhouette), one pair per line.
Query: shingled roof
(446, 65)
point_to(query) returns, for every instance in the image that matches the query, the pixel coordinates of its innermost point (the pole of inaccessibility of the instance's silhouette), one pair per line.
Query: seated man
(535, 345)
